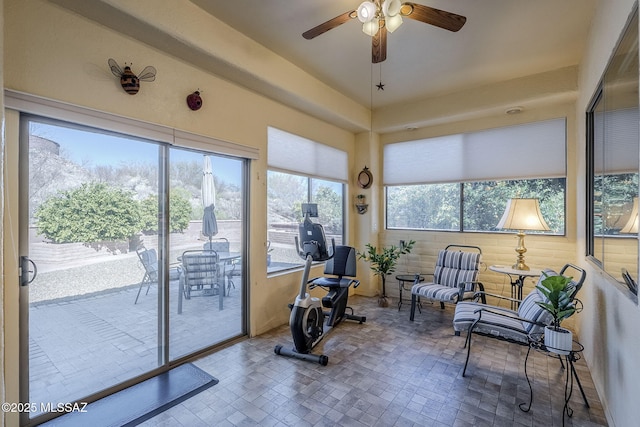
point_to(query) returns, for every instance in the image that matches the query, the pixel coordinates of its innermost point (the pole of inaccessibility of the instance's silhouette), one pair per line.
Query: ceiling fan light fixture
(393, 22)
(391, 7)
(371, 28)
(366, 11)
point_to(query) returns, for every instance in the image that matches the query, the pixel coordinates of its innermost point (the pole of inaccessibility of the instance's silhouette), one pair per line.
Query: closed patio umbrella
(209, 222)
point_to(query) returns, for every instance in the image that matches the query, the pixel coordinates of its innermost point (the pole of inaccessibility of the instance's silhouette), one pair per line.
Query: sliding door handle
(28, 271)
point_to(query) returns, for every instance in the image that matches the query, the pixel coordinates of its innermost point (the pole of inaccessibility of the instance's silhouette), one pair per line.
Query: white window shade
(533, 150)
(621, 133)
(288, 152)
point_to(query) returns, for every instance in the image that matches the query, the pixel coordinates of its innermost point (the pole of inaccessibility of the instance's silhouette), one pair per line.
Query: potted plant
(384, 263)
(561, 304)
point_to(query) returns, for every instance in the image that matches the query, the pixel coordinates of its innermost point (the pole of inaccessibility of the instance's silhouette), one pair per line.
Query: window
(462, 182)
(424, 207)
(612, 161)
(301, 171)
(484, 202)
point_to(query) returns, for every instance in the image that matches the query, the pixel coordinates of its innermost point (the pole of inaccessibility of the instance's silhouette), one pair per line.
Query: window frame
(288, 153)
(614, 86)
(461, 215)
(309, 199)
(465, 147)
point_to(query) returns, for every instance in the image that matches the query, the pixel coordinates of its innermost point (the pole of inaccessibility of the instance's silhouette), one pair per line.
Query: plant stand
(536, 342)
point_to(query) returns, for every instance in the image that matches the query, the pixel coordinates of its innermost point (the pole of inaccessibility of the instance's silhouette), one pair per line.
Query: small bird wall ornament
(129, 81)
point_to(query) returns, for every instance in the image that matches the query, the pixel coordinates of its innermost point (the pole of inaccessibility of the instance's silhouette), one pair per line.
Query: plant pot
(383, 301)
(558, 340)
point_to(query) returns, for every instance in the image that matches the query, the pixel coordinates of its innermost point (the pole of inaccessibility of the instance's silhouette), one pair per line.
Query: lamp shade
(371, 28)
(391, 7)
(366, 11)
(523, 214)
(632, 225)
(393, 22)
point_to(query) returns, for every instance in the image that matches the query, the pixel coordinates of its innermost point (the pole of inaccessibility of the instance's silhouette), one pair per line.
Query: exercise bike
(308, 321)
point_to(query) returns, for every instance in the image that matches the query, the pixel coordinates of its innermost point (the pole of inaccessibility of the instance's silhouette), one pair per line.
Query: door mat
(142, 401)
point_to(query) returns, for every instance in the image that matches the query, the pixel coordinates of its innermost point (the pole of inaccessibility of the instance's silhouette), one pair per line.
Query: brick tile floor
(386, 372)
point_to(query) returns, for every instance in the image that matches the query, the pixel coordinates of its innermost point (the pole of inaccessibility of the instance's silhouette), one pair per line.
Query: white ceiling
(501, 40)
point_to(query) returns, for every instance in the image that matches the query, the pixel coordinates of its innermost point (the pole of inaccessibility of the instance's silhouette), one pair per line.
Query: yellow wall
(542, 251)
(50, 57)
(608, 326)
(47, 52)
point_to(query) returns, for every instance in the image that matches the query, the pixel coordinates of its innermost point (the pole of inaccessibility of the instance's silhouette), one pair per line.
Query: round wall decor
(365, 179)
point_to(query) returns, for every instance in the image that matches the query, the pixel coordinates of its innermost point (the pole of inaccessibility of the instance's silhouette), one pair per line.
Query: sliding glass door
(201, 311)
(106, 221)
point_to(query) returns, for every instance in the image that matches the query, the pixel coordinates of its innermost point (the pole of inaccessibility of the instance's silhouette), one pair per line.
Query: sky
(101, 149)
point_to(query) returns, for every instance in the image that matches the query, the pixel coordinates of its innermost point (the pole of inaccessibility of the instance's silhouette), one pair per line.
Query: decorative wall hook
(129, 81)
(365, 179)
(194, 100)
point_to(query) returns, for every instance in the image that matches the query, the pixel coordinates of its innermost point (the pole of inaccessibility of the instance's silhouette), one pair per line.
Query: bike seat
(335, 282)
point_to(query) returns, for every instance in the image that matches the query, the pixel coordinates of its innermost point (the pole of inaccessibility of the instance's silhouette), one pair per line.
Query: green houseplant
(561, 304)
(384, 263)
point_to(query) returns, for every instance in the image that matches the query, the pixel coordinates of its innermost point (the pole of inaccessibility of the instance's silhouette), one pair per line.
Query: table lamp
(521, 215)
(631, 227)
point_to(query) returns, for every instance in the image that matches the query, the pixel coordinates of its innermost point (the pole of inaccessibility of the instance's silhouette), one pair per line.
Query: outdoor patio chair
(455, 277)
(149, 260)
(221, 244)
(505, 324)
(201, 272)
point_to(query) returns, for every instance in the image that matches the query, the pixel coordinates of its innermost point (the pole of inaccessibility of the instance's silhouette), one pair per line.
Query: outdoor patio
(82, 344)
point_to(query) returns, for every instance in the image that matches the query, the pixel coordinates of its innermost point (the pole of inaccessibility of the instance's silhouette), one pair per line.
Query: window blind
(292, 153)
(621, 132)
(533, 150)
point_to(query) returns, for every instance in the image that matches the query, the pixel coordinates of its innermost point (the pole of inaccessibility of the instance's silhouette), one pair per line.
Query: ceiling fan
(380, 16)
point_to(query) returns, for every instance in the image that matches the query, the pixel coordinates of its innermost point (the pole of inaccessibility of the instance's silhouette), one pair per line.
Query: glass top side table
(517, 278)
(402, 278)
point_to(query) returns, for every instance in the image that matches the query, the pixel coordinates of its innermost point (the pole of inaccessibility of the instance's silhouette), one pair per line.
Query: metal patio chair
(149, 260)
(201, 272)
(506, 324)
(455, 277)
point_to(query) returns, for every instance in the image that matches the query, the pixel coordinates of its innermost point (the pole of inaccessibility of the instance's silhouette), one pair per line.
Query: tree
(437, 206)
(94, 212)
(329, 209)
(179, 212)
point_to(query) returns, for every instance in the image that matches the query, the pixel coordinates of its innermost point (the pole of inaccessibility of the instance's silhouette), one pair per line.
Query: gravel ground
(108, 274)
(113, 273)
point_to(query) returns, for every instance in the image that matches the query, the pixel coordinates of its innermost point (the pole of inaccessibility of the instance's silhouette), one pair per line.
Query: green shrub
(179, 214)
(91, 213)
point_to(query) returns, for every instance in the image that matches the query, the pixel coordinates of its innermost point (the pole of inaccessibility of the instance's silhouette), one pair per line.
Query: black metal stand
(516, 290)
(571, 374)
(402, 278)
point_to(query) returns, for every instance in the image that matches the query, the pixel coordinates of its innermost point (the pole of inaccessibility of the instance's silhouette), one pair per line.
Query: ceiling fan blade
(330, 24)
(379, 45)
(429, 15)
